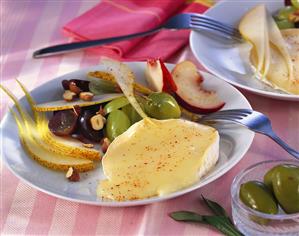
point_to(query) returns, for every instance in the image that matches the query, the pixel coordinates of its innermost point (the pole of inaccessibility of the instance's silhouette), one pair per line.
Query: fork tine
(207, 21)
(228, 114)
(233, 111)
(213, 29)
(223, 117)
(210, 26)
(198, 17)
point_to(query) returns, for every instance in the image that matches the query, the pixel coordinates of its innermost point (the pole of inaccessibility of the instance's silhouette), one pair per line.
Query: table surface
(27, 26)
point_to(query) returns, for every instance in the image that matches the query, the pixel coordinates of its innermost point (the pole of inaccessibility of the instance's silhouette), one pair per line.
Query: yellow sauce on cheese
(157, 157)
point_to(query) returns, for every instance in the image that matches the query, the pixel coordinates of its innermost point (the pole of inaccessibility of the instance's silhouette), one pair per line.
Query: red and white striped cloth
(29, 25)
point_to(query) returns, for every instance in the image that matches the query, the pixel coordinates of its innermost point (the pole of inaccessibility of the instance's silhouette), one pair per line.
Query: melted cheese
(156, 158)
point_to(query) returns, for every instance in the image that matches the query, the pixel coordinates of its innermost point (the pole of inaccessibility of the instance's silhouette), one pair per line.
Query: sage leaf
(221, 223)
(186, 216)
(216, 208)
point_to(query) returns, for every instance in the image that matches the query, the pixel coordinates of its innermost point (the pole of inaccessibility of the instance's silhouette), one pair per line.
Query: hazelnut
(74, 88)
(86, 96)
(88, 145)
(105, 142)
(72, 175)
(97, 122)
(68, 95)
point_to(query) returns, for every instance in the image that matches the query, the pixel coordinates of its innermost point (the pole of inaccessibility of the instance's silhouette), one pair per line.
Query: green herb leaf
(219, 222)
(186, 216)
(215, 207)
(222, 224)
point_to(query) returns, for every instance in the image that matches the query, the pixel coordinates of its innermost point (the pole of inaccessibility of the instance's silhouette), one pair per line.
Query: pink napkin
(121, 17)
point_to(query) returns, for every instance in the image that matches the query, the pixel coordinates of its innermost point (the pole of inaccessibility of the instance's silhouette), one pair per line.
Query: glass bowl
(251, 222)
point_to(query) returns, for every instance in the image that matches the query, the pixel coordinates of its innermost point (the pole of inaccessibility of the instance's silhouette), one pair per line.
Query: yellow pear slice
(253, 27)
(278, 72)
(61, 145)
(125, 79)
(39, 132)
(63, 105)
(66, 146)
(278, 41)
(51, 160)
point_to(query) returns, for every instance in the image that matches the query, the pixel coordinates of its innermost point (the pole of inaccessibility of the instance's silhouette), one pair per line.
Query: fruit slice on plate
(66, 146)
(278, 73)
(125, 79)
(159, 77)
(253, 27)
(54, 161)
(190, 93)
(38, 131)
(63, 105)
(277, 39)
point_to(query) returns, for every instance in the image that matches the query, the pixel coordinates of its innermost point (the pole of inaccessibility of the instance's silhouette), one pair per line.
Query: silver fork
(253, 120)
(181, 21)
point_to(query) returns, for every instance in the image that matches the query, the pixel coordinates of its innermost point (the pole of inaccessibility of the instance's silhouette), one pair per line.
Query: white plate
(234, 143)
(221, 57)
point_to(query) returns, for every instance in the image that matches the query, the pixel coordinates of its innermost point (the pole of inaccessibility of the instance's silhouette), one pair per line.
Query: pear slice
(125, 79)
(278, 73)
(63, 105)
(253, 28)
(51, 160)
(39, 131)
(65, 146)
(278, 41)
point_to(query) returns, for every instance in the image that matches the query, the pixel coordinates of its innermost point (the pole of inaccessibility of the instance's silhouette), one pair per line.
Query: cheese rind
(157, 157)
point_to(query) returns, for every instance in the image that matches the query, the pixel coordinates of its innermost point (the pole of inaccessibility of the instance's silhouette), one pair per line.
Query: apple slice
(190, 93)
(159, 77)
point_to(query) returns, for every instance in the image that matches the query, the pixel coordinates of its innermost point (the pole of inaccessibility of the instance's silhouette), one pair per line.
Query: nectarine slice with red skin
(159, 77)
(190, 94)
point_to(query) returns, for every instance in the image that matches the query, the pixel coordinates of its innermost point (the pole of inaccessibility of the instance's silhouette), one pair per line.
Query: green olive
(284, 24)
(268, 178)
(131, 113)
(117, 123)
(257, 196)
(285, 182)
(162, 106)
(115, 104)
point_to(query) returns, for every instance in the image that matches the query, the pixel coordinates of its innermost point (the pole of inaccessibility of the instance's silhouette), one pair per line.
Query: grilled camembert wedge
(157, 157)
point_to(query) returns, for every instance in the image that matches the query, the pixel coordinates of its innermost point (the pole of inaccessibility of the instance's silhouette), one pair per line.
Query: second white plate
(222, 57)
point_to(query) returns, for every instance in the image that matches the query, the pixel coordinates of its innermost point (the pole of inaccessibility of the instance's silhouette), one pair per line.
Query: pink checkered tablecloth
(29, 25)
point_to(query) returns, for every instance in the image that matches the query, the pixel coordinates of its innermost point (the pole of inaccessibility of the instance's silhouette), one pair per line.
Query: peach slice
(190, 94)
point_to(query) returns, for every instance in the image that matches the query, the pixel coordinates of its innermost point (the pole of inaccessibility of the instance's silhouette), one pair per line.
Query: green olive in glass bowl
(252, 222)
(283, 180)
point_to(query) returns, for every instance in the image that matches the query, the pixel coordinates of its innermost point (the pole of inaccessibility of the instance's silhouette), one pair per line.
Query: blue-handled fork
(181, 21)
(253, 120)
